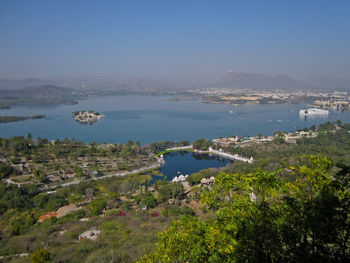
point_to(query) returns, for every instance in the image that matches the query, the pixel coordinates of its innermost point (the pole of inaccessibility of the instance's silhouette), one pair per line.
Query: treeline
(202, 144)
(333, 141)
(19, 118)
(161, 146)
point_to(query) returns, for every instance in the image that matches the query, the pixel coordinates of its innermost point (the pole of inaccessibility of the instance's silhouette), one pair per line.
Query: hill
(242, 80)
(33, 95)
(36, 91)
(6, 83)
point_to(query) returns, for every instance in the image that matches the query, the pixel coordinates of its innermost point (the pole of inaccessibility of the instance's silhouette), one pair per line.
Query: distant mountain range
(37, 95)
(256, 81)
(93, 82)
(42, 91)
(236, 80)
(21, 83)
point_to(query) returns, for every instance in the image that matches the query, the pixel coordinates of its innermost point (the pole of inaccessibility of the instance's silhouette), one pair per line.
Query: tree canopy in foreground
(260, 218)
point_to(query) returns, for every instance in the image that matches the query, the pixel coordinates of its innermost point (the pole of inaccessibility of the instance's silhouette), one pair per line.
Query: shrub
(169, 191)
(164, 212)
(96, 207)
(183, 210)
(40, 256)
(201, 144)
(5, 170)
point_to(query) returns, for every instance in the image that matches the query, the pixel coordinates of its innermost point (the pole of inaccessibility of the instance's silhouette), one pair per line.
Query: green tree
(147, 199)
(78, 171)
(29, 137)
(40, 175)
(5, 170)
(201, 144)
(96, 206)
(21, 222)
(40, 256)
(260, 218)
(170, 190)
(279, 134)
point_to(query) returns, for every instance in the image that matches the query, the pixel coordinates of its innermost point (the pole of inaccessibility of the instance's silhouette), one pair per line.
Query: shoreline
(160, 162)
(9, 119)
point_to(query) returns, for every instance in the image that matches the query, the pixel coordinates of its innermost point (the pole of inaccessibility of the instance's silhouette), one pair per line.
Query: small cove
(187, 163)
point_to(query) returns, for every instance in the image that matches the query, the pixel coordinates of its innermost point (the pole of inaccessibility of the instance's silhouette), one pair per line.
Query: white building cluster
(179, 179)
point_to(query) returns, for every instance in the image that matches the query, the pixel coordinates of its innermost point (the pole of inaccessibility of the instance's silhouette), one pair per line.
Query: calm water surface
(155, 118)
(188, 163)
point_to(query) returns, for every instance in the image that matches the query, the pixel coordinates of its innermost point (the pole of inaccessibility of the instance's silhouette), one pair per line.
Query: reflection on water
(188, 163)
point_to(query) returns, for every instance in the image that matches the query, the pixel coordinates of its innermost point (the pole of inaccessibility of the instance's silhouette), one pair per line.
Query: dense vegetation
(26, 160)
(290, 205)
(161, 146)
(201, 144)
(332, 141)
(260, 218)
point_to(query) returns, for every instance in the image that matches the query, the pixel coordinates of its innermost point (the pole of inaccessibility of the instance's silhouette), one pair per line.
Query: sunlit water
(155, 118)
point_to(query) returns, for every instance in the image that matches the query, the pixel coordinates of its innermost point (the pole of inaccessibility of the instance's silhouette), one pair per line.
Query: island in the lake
(87, 117)
(4, 119)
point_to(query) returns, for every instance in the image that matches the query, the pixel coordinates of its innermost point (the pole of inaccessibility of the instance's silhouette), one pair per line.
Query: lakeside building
(87, 117)
(313, 111)
(332, 104)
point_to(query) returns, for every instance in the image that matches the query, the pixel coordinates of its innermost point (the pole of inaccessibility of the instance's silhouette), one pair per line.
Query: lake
(188, 163)
(155, 118)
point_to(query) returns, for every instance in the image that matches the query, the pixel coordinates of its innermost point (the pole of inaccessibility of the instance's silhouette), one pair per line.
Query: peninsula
(87, 117)
(4, 119)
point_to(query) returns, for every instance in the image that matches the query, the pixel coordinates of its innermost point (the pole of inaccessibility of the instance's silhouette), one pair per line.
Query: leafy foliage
(195, 178)
(260, 218)
(170, 190)
(201, 144)
(5, 170)
(161, 146)
(146, 199)
(49, 202)
(13, 197)
(40, 256)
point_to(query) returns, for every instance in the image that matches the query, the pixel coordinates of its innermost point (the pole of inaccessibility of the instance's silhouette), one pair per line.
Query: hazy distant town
(232, 88)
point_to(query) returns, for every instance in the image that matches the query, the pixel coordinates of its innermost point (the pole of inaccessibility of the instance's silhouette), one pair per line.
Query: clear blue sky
(174, 38)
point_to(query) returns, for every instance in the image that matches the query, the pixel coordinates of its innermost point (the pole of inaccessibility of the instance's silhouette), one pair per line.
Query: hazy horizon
(179, 40)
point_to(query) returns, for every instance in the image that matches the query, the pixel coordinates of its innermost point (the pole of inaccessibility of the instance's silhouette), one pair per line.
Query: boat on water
(313, 112)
